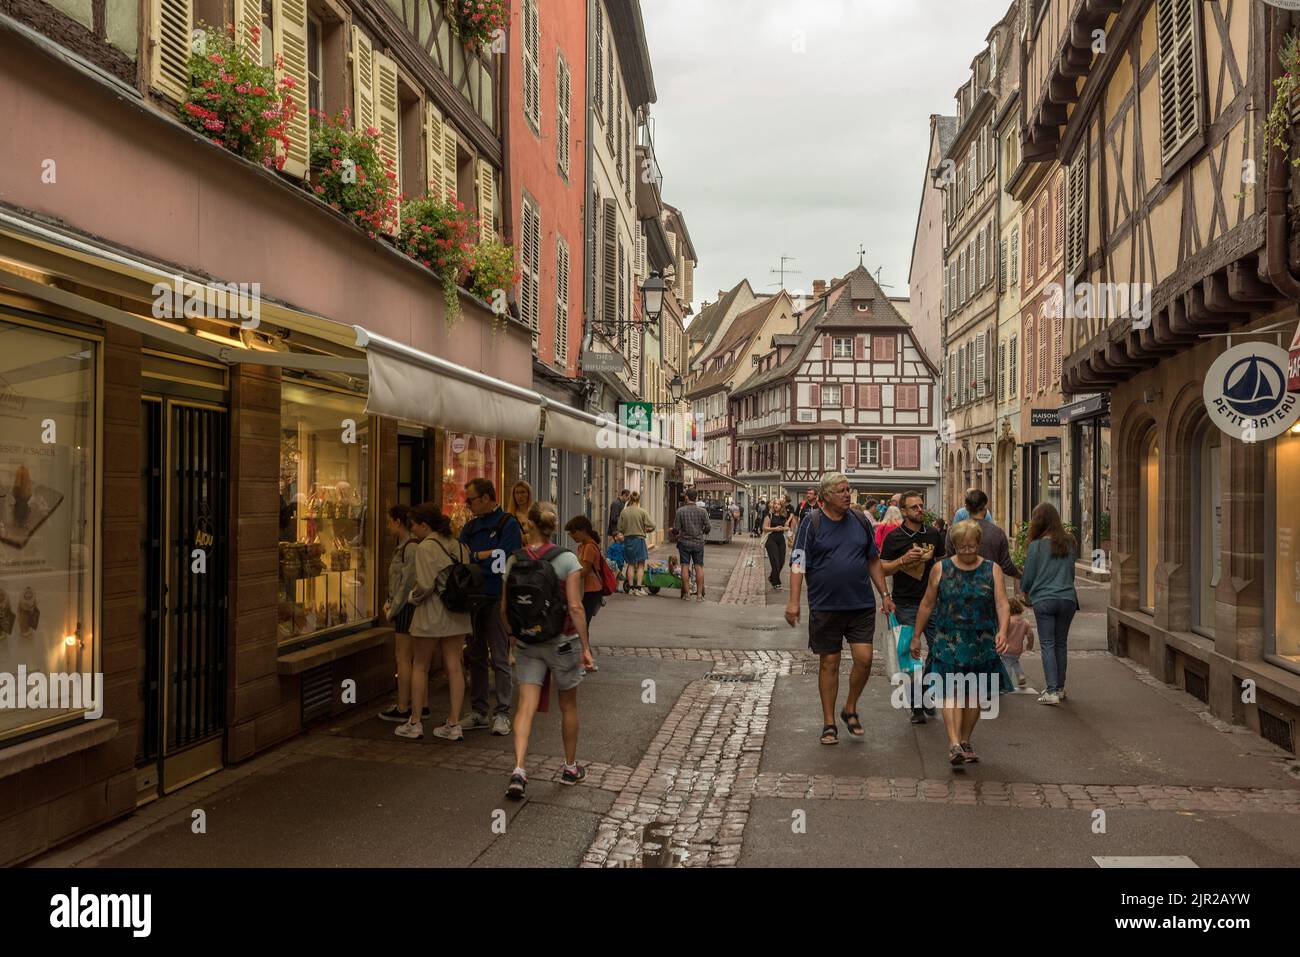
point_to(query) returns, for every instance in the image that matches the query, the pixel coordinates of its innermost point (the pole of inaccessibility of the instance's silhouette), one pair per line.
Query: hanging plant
(476, 23)
(235, 101)
(1277, 124)
(439, 234)
(492, 271)
(348, 172)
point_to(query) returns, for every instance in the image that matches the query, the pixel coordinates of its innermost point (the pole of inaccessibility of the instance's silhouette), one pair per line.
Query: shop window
(1286, 564)
(1148, 522)
(325, 551)
(1207, 528)
(47, 515)
(466, 457)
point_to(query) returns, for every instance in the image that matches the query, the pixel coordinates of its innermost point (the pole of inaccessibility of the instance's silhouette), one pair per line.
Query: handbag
(903, 643)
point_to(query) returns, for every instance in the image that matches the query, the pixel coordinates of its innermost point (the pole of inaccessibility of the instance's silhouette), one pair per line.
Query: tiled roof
(739, 338)
(711, 316)
(946, 127)
(863, 289)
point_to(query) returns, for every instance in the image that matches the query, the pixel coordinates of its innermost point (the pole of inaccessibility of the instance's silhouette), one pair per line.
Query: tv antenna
(782, 271)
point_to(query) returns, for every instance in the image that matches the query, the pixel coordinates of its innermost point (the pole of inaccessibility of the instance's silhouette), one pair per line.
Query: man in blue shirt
(836, 550)
(491, 537)
(965, 512)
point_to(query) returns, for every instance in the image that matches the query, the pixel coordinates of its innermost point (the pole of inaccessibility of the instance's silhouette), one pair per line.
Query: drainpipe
(588, 213)
(1277, 248)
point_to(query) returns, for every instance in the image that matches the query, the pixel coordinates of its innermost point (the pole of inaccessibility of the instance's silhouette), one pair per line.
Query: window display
(47, 512)
(1286, 566)
(324, 511)
(464, 457)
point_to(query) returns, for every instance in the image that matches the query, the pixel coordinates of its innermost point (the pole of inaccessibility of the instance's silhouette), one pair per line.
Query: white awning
(577, 431)
(406, 383)
(711, 473)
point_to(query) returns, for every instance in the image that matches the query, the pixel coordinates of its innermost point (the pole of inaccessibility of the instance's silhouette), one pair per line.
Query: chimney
(819, 288)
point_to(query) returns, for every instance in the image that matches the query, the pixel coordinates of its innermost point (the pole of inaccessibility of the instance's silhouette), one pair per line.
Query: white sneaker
(473, 721)
(1061, 694)
(501, 725)
(1049, 697)
(408, 730)
(449, 732)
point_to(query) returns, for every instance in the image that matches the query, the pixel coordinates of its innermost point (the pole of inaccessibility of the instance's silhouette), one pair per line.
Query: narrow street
(701, 732)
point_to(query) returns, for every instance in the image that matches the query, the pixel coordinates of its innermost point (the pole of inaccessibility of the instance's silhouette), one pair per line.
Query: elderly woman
(967, 598)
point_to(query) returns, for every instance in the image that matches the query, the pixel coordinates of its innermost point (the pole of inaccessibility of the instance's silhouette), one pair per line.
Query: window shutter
(609, 262)
(1014, 277)
(848, 397)
(386, 106)
(532, 75)
(1179, 103)
(827, 348)
(1013, 380)
(1058, 334)
(487, 198)
(981, 365)
(248, 26)
(563, 106)
(886, 448)
(640, 250)
(363, 81)
(291, 42)
(624, 332)
(433, 152)
(1002, 266)
(530, 267)
(991, 250)
(169, 71)
(815, 397)
(851, 454)
(1060, 213)
(943, 299)
(961, 278)
(1029, 248)
(1044, 344)
(1029, 357)
(600, 60)
(1002, 371)
(450, 161)
(980, 253)
(873, 396)
(1044, 235)
(1076, 240)
(688, 286)
(859, 347)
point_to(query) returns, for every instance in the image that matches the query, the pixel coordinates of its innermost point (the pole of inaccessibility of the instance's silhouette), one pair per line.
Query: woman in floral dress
(968, 599)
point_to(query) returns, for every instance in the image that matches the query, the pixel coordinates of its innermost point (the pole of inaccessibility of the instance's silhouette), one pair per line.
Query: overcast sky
(800, 127)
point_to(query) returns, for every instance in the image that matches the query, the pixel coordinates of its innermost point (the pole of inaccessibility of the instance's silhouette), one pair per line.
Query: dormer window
(864, 307)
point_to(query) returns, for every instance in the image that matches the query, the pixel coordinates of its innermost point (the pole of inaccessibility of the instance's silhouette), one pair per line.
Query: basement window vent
(1277, 730)
(317, 692)
(1196, 686)
(724, 676)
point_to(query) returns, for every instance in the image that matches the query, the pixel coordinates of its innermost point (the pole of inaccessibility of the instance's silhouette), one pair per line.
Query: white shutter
(981, 365)
(1176, 41)
(486, 182)
(640, 269)
(1002, 265)
(600, 59)
(248, 28)
(979, 254)
(530, 238)
(561, 302)
(1002, 371)
(290, 22)
(961, 278)
(563, 104)
(532, 74)
(1014, 278)
(1076, 216)
(688, 281)
(169, 71)
(363, 81)
(386, 107)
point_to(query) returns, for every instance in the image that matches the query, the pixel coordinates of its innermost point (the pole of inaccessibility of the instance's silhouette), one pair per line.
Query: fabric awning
(713, 474)
(406, 383)
(576, 431)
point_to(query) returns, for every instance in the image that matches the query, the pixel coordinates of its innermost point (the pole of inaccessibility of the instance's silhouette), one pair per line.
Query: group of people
(629, 524)
(948, 584)
(431, 610)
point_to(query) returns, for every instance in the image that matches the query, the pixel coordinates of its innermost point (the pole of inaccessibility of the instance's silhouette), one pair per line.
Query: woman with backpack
(399, 610)
(433, 625)
(584, 533)
(542, 581)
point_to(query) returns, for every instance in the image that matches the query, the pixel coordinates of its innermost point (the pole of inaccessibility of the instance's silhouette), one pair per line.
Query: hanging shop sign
(1246, 392)
(602, 362)
(983, 455)
(1293, 369)
(636, 416)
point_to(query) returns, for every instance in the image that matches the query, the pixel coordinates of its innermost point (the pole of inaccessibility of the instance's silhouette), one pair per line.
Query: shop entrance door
(184, 592)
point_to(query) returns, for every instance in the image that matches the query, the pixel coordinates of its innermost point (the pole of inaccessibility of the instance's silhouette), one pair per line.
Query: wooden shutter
(640, 250)
(1002, 371)
(291, 43)
(1029, 357)
(169, 71)
(530, 267)
(609, 261)
(848, 397)
(873, 396)
(386, 107)
(859, 347)
(563, 106)
(1060, 212)
(248, 28)
(561, 302)
(621, 304)
(828, 348)
(1179, 69)
(851, 454)
(1002, 266)
(1044, 344)
(688, 285)
(1058, 335)
(815, 396)
(450, 162)
(1013, 373)
(433, 152)
(886, 450)
(1029, 248)
(1014, 276)
(863, 395)
(532, 74)
(600, 60)
(363, 81)
(1044, 233)
(961, 278)
(979, 255)
(981, 365)
(943, 299)
(1076, 216)
(486, 181)
(990, 250)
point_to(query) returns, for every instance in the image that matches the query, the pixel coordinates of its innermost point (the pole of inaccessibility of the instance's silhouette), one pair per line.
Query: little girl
(1020, 637)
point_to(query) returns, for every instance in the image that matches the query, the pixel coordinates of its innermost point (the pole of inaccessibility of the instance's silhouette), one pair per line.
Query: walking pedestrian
(1049, 583)
(909, 554)
(835, 550)
(565, 655)
(490, 537)
(893, 518)
(776, 523)
(966, 596)
(760, 515)
(581, 531)
(690, 525)
(993, 543)
(521, 500)
(809, 502)
(634, 525)
(433, 626)
(966, 511)
(1020, 636)
(399, 609)
(615, 510)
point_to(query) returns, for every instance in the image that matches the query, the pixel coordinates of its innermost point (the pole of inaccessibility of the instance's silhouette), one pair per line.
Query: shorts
(690, 554)
(827, 630)
(634, 550)
(591, 604)
(562, 657)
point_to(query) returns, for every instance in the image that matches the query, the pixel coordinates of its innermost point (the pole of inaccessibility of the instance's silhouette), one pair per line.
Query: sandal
(956, 755)
(852, 722)
(968, 752)
(830, 734)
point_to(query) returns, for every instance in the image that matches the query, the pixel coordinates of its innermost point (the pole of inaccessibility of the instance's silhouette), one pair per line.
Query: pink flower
(214, 124)
(216, 58)
(259, 90)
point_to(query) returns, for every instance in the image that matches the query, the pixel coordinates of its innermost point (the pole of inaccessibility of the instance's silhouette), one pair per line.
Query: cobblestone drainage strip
(724, 676)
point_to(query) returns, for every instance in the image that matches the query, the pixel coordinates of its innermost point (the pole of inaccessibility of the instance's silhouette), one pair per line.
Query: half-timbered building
(1156, 108)
(851, 390)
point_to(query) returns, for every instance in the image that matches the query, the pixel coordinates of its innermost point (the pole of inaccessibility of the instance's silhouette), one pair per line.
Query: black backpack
(459, 584)
(536, 606)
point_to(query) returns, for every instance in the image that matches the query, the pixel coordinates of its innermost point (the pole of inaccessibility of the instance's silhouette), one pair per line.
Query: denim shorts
(562, 657)
(634, 550)
(690, 554)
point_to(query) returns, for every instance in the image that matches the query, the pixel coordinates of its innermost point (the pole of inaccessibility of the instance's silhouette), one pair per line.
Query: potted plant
(1277, 124)
(348, 173)
(491, 272)
(476, 22)
(439, 234)
(235, 101)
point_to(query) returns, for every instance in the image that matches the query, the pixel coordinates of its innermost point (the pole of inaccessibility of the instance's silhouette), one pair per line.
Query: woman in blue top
(1049, 583)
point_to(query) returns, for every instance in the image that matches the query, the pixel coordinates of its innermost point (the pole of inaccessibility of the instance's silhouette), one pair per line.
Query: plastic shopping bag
(903, 642)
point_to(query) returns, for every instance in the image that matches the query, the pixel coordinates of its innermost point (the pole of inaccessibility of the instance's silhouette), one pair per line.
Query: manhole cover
(722, 676)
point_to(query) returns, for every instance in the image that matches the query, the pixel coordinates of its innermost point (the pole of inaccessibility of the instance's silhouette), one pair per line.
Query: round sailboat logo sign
(1246, 394)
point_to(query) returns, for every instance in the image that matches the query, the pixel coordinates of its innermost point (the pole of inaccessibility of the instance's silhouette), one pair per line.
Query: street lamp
(677, 388)
(652, 297)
